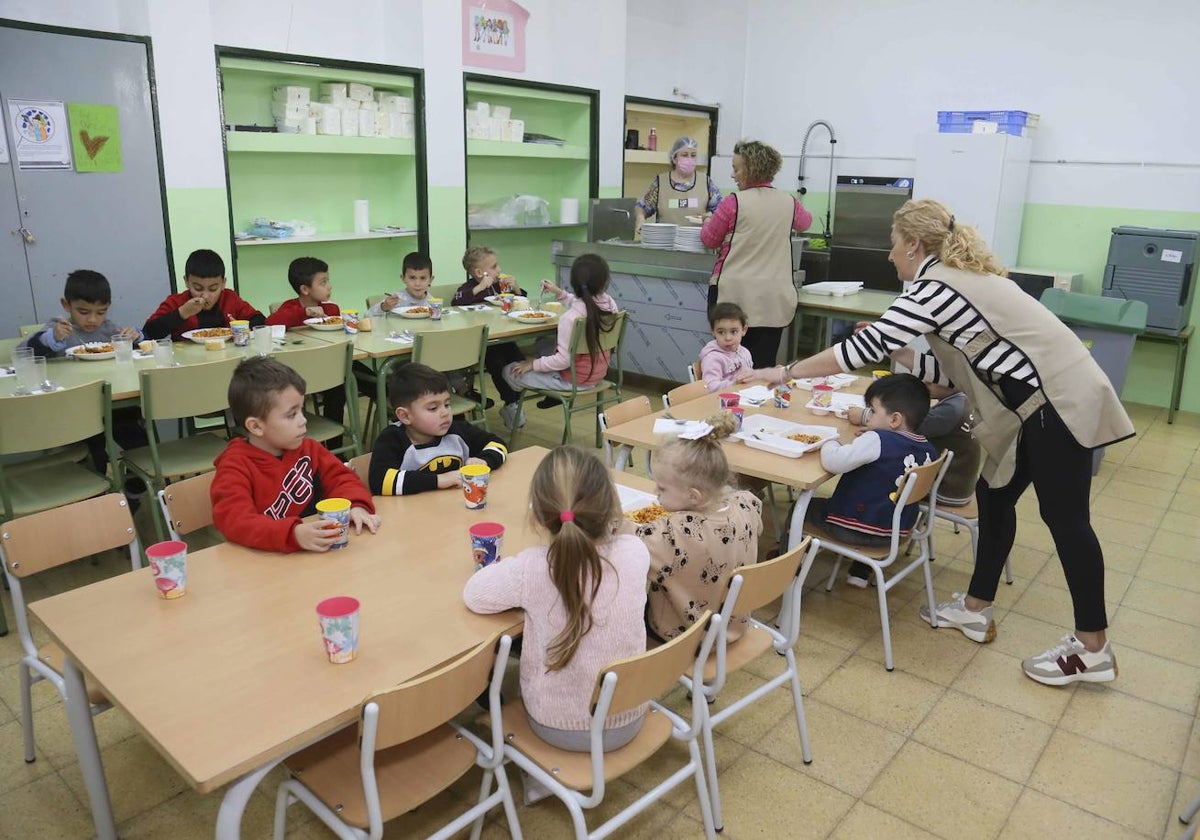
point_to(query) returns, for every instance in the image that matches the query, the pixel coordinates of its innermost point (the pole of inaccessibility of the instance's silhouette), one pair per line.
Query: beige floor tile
(1021, 635)
(997, 678)
(191, 816)
(549, 818)
(848, 752)
(1160, 636)
(1048, 604)
(815, 660)
(897, 701)
(750, 724)
(985, 735)
(53, 733)
(44, 693)
(836, 622)
(753, 797)
(1191, 760)
(1181, 523)
(865, 821)
(1160, 599)
(1126, 533)
(1171, 544)
(14, 772)
(1185, 793)
(674, 755)
(1161, 681)
(7, 714)
(935, 655)
(1139, 493)
(10, 645)
(1038, 815)
(1115, 582)
(942, 794)
(45, 809)
(1105, 781)
(1171, 465)
(1125, 510)
(1187, 487)
(1147, 478)
(138, 778)
(1034, 534)
(1128, 723)
(1123, 558)
(1172, 571)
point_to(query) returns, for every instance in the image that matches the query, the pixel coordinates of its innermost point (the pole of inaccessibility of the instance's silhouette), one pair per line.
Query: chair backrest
(609, 340)
(186, 391)
(374, 299)
(693, 372)
(451, 349)
(323, 367)
(683, 393)
(412, 709)
(762, 583)
(649, 675)
(26, 330)
(273, 306)
(44, 421)
(360, 465)
(923, 479)
(623, 412)
(53, 537)
(187, 504)
(445, 291)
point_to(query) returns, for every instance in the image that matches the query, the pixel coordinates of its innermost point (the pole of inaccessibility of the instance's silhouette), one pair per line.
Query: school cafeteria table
(232, 678)
(866, 305)
(379, 344)
(804, 473)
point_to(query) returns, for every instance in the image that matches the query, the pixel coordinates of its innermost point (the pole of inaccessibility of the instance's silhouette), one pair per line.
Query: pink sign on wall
(494, 34)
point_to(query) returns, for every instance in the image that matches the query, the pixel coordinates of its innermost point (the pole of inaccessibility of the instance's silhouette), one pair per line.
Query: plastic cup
(783, 395)
(168, 561)
(37, 375)
(520, 304)
(879, 374)
(164, 353)
(822, 396)
(475, 485)
(19, 353)
(338, 617)
(486, 541)
(26, 372)
(739, 416)
(728, 400)
(260, 340)
(553, 306)
(506, 301)
(241, 333)
(122, 348)
(435, 309)
(337, 510)
(350, 321)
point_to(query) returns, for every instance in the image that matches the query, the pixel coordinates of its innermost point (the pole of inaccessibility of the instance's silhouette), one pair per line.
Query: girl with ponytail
(708, 530)
(583, 593)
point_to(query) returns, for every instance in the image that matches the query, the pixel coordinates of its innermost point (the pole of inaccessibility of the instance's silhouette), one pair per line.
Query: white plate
(836, 382)
(773, 435)
(526, 316)
(319, 323)
(190, 335)
(77, 352)
(494, 300)
(837, 288)
(634, 499)
(413, 312)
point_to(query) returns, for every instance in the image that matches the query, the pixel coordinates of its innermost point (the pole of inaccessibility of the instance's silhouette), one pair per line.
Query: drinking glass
(24, 368)
(21, 353)
(164, 353)
(40, 379)
(122, 348)
(260, 340)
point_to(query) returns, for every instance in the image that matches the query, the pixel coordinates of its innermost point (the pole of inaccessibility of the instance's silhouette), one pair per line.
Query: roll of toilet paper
(362, 217)
(568, 211)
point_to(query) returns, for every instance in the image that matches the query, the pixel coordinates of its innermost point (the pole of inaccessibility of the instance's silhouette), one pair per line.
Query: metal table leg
(83, 734)
(233, 805)
(1181, 346)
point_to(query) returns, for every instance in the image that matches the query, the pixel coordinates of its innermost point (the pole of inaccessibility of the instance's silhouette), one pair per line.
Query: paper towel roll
(568, 211)
(362, 217)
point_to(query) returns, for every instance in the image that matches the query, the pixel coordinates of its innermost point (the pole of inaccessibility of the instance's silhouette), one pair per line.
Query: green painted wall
(447, 233)
(199, 218)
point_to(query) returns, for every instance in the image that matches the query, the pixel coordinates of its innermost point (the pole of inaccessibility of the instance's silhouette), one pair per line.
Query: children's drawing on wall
(494, 34)
(491, 33)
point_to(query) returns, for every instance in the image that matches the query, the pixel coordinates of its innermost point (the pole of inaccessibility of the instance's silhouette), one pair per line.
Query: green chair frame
(605, 392)
(457, 350)
(323, 368)
(175, 393)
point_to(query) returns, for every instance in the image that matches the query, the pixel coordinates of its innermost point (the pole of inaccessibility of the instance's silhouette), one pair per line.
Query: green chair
(173, 393)
(323, 368)
(457, 350)
(605, 392)
(26, 330)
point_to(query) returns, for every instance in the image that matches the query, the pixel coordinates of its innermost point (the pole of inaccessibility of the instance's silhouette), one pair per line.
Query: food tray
(773, 435)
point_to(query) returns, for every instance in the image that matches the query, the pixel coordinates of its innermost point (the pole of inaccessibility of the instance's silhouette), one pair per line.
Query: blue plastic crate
(1016, 123)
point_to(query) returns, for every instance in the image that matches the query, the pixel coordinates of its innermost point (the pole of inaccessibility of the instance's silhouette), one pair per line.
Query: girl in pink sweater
(724, 362)
(552, 369)
(584, 596)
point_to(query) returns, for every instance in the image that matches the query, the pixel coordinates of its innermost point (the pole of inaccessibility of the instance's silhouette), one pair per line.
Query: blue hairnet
(682, 143)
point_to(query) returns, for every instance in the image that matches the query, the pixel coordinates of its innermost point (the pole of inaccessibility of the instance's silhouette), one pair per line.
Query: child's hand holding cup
(337, 510)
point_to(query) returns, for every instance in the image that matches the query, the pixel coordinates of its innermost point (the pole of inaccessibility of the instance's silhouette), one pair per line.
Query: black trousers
(494, 359)
(762, 342)
(1060, 470)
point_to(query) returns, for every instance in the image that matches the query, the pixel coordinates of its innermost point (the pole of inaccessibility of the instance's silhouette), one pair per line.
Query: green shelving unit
(497, 169)
(317, 179)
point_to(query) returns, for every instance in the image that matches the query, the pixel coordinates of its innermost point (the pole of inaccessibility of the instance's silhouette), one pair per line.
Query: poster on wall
(40, 134)
(95, 137)
(494, 34)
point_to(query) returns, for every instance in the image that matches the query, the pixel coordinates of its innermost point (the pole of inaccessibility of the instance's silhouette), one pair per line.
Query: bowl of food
(532, 316)
(200, 336)
(328, 322)
(93, 351)
(414, 312)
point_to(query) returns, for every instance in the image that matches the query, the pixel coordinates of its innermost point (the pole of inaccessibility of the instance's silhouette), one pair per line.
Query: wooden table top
(234, 674)
(375, 344)
(804, 472)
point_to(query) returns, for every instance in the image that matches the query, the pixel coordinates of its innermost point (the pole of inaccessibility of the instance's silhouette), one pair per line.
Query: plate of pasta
(93, 351)
(202, 335)
(780, 437)
(533, 316)
(328, 322)
(414, 312)
(640, 508)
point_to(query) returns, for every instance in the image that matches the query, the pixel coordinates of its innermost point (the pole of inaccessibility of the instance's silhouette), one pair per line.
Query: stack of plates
(688, 239)
(656, 235)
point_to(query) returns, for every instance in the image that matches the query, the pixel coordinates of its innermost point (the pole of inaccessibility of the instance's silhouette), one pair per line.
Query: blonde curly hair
(761, 162)
(957, 245)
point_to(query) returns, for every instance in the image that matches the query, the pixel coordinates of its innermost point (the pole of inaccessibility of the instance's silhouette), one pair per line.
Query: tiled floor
(955, 743)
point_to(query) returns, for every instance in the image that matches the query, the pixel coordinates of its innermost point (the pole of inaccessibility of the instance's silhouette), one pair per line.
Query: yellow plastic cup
(879, 374)
(337, 510)
(475, 485)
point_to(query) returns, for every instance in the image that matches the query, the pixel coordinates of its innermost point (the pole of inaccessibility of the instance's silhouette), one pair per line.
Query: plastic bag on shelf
(510, 211)
(274, 229)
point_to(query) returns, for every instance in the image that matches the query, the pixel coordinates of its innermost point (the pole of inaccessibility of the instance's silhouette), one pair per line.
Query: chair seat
(322, 428)
(463, 405)
(52, 655)
(574, 769)
(407, 775)
(54, 486)
(564, 396)
(750, 645)
(877, 552)
(187, 456)
(70, 454)
(968, 511)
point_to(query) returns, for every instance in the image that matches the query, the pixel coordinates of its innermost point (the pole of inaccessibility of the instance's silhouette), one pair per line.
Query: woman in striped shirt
(1044, 405)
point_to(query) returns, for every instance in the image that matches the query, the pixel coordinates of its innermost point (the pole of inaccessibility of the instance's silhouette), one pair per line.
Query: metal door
(112, 222)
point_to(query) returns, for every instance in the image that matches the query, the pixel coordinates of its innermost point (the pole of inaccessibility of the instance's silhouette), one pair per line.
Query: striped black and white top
(929, 306)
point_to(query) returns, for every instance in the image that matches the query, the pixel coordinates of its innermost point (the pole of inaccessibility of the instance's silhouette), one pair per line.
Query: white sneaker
(976, 626)
(512, 415)
(1069, 661)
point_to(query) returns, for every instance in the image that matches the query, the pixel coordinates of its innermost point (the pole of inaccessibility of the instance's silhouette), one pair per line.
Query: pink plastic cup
(739, 416)
(729, 400)
(168, 561)
(486, 541)
(339, 628)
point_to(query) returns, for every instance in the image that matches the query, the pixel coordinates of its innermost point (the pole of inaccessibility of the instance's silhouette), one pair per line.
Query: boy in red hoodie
(205, 303)
(309, 279)
(267, 484)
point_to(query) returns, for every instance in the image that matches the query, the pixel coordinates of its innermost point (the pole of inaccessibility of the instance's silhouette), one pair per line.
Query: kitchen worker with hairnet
(678, 193)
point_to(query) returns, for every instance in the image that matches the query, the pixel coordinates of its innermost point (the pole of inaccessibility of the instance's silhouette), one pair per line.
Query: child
(583, 597)
(872, 468)
(266, 484)
(483, 279)
(711, 530)
(205, 303)
(86, 299)
(309, 277)
(724, 362)
(589, 282)
(426, 447)
(417, 274)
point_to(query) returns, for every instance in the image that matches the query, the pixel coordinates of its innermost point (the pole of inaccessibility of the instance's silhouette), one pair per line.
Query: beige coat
(757, 272)
(1071, 381)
